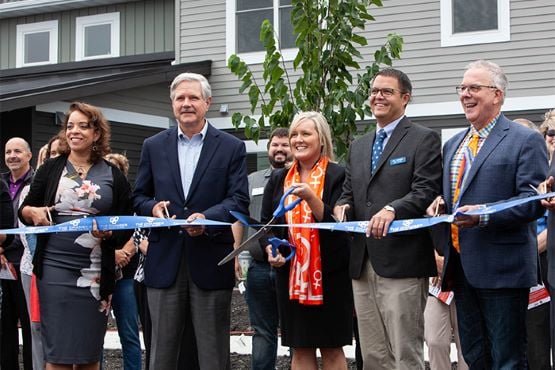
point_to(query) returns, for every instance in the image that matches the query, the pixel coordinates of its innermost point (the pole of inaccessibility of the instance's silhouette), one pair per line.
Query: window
(244, 18)
(97, 36)
(466, 22)
(36, 44)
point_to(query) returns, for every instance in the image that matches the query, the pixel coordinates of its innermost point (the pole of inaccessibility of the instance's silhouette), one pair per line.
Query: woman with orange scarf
(314, 287)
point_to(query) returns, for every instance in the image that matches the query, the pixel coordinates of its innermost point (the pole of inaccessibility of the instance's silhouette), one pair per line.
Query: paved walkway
(242, 344)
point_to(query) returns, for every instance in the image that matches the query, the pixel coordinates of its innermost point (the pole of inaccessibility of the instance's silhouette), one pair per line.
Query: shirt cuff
(484, 219)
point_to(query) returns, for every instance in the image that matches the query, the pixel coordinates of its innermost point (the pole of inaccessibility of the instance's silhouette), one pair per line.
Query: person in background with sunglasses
(538, 344)
(547, 128)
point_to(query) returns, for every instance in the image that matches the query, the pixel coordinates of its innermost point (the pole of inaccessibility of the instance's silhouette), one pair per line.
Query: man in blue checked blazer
(494, 262)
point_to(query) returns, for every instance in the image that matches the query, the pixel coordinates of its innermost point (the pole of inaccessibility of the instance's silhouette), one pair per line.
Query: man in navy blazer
(496, 261)
(195, 171)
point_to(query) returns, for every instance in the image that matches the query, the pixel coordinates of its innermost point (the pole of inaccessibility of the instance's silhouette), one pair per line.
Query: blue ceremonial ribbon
(106, 223)
(501, 206)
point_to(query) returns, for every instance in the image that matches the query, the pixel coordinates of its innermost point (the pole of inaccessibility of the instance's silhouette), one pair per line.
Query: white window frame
(95, 20)
(29, 28)
(231, 34)
(501, 34)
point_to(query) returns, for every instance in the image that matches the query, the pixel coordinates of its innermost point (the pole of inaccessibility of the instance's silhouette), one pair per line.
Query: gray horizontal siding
(154, 99)
(145, 27)
(528, 59)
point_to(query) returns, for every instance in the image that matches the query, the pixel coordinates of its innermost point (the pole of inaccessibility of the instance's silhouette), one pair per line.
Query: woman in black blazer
(314, 288)
(76, 271)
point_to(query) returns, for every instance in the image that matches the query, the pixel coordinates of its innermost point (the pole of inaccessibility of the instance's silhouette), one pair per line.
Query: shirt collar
(196, 137)
(390, 126)
(484, 132)
(21, 179)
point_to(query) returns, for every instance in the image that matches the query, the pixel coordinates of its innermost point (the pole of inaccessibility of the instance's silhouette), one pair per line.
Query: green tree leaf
(327, 40)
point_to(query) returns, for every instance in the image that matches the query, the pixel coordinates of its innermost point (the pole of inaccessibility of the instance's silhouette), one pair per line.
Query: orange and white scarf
(305, 274)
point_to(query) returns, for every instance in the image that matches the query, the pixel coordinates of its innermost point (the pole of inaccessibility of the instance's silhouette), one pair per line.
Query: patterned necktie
(377, 148)
(468, 156)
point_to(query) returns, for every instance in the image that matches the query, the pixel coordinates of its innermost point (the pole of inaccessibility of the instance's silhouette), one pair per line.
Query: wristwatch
(389, 208)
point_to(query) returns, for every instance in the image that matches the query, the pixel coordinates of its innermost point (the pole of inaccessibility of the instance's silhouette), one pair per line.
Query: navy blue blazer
(219, 185)
(504, 253)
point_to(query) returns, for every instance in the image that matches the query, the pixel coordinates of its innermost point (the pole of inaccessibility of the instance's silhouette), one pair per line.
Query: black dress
(322, 326)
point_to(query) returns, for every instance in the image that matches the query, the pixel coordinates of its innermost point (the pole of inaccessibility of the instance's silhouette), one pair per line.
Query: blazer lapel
(365, 154)
(448, 153)
(496, 135)
(396, 137)
(172, 157)
(209, 147)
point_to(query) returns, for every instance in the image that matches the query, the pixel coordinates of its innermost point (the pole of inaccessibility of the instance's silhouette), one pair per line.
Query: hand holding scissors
(263, 230)
(39, 216)
(275, 258)
(543, 188)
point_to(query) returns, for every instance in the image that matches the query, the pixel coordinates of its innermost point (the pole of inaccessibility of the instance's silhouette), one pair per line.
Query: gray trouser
(210, 315)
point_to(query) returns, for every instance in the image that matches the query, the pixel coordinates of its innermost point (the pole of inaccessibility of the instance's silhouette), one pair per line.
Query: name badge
(257, 191)
(396, 161)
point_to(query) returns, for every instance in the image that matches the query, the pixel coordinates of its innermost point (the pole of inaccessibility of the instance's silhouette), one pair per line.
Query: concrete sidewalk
(242, 344)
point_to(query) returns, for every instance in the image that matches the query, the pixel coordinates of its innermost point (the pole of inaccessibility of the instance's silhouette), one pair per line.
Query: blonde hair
(43, 155)
(548, 122)
(120, 161)
(322, 129)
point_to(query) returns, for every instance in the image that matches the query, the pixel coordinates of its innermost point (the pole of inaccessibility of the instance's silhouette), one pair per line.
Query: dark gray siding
(145, 27)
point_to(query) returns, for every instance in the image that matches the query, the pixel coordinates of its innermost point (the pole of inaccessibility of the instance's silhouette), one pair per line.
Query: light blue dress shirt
(188, 151)
(389, 128)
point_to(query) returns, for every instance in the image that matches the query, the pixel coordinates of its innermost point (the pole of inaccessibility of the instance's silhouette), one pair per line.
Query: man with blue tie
(491, 261)
(392, 173)
(192, 171)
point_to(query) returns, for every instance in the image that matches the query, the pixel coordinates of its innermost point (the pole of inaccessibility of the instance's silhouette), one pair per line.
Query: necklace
(81, 170)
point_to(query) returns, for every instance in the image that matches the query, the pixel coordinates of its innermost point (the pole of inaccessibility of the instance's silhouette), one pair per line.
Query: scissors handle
(282, 208)
(277, 242)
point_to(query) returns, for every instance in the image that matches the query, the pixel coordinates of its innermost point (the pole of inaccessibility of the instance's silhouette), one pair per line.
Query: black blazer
(334, 246)
(43, 193)
(408, 177)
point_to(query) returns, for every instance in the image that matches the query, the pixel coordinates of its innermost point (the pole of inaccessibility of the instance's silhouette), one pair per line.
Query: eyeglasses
(550, 133)
(386, 91)
(461, 89)
(82, 126)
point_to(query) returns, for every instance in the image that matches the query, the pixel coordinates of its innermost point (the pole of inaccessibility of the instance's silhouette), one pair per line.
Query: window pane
(248, 30)
(284, 2)
(37, 47)
(254, 4)
(474, 15)
(286, 35)
(97, 40)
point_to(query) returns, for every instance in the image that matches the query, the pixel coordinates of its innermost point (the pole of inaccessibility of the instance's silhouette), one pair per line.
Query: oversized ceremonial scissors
(280, 211)
(277, 242)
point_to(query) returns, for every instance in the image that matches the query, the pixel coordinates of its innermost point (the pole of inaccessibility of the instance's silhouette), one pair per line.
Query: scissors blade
(257, 235)
(247, 220)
